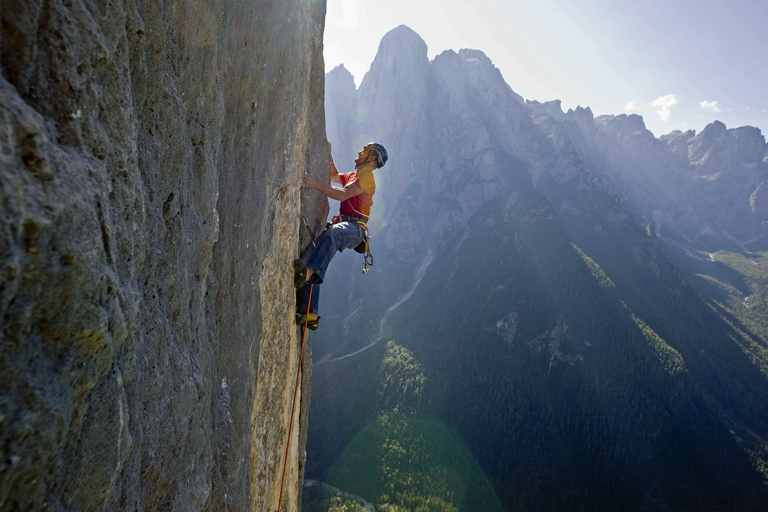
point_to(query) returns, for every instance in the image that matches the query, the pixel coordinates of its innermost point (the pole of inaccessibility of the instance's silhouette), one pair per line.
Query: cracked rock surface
(150, 161)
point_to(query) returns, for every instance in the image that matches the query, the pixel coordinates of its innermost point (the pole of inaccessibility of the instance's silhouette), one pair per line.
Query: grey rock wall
(150, 161)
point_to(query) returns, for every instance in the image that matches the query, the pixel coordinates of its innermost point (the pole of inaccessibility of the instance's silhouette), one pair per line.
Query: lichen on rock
(150, 162)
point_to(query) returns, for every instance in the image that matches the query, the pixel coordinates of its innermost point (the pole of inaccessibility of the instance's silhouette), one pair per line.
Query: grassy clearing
(413, 463)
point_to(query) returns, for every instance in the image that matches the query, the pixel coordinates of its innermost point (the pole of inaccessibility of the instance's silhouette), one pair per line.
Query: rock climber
(348, 229)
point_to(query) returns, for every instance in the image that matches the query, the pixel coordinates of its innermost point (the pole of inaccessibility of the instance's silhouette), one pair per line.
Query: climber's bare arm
(339, 194)
(334, 171)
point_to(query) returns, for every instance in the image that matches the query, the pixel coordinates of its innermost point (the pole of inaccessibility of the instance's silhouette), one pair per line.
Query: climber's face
(365, 156)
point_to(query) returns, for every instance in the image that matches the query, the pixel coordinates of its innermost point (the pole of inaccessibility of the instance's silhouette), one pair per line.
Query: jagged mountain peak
(479, 68)
(677, 134)
(622, 125)
(401, 57)
(339, 70)
(403, 42)
(713, 129)
(579, 110)
(581, 115)
(745, 144)
(750, 143)
(471, 55)
(678, 142)
(552, 107)
(402, 33)
(447, 58)
(342, 79)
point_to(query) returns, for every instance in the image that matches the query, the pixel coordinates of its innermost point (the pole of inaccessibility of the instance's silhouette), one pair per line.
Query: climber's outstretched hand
(310, 181)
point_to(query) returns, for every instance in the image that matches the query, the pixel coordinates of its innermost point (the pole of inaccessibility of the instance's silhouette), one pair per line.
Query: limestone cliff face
(150, 161)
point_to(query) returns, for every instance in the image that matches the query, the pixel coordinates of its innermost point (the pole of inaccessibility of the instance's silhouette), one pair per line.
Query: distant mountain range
(585, 303)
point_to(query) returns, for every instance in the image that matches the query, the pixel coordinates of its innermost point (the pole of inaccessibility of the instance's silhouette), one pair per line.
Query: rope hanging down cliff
(293, 408)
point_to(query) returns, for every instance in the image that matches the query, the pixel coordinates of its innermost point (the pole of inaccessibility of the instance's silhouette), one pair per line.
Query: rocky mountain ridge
(702, 190)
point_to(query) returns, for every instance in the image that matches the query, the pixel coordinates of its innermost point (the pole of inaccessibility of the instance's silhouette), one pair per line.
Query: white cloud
(631, 106)
(663, 106)
(709, 105)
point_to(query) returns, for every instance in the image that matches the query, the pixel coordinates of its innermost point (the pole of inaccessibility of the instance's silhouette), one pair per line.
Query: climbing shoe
(312, 323)
(299, 272)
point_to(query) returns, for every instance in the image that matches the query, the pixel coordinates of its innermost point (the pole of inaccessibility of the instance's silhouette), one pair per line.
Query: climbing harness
(363, 247)
(295, 392)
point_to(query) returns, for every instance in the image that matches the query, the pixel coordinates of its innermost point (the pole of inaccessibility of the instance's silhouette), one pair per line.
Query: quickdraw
(365, 249)
(367, 262)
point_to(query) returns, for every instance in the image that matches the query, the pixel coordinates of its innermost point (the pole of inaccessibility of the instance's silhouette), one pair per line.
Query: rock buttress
(150, 161)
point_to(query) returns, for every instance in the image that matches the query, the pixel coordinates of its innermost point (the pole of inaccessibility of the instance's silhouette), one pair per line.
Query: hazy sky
(679, 63)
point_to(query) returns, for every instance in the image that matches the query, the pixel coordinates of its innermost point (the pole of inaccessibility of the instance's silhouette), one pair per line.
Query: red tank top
(360, 205)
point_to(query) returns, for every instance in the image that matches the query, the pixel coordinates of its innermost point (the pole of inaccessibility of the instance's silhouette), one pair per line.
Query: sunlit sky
(680, 64)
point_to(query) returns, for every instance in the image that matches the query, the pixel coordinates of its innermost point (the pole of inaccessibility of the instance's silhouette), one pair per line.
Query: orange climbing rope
(295, 392)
